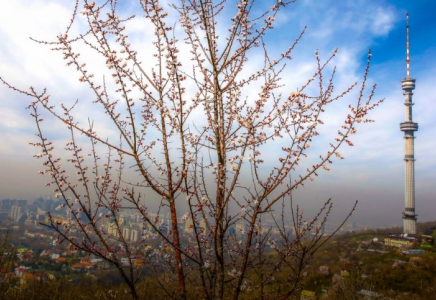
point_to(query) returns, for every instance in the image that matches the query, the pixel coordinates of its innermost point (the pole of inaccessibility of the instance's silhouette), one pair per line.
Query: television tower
(409, 127)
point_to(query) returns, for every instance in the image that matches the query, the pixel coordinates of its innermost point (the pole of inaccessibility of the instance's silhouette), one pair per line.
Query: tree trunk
(177, 252)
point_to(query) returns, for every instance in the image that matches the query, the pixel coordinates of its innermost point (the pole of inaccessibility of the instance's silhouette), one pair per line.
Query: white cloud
(9, 120)
(382, 21)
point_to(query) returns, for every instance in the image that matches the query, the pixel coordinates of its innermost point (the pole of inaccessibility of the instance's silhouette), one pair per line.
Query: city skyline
(373, 170)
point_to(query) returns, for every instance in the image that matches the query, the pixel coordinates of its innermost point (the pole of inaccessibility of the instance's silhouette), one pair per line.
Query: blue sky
(372, 171)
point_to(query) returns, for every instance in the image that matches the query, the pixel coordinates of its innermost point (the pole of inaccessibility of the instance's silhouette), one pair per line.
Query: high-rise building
(409, 127)
(203, 227)
(16, 212)
(134, 235)
(126, 233)
(189, 225)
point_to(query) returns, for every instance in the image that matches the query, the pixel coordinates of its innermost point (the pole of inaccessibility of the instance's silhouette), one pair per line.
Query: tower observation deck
(409, 127)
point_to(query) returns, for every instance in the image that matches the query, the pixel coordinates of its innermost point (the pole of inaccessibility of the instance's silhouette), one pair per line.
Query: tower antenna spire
(407, 46)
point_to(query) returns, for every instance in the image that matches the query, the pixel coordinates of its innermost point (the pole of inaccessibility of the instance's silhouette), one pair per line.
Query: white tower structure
(409, 127)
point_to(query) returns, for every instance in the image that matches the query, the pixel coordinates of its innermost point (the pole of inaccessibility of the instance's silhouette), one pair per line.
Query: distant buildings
(8, 203)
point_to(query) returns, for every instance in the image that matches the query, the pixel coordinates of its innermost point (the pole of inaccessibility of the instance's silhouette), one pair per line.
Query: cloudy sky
(373, 170)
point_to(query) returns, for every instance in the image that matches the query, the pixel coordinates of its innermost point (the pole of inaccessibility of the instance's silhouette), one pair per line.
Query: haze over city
(373, 171)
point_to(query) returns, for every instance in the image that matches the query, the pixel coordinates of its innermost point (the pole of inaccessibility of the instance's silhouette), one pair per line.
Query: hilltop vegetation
(348, 264)
(360, 261)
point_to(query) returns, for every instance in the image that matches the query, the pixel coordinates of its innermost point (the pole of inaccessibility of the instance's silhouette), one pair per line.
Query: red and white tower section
(409, 127)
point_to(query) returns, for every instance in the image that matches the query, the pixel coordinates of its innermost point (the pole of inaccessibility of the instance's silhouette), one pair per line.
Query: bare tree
(193, 141)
